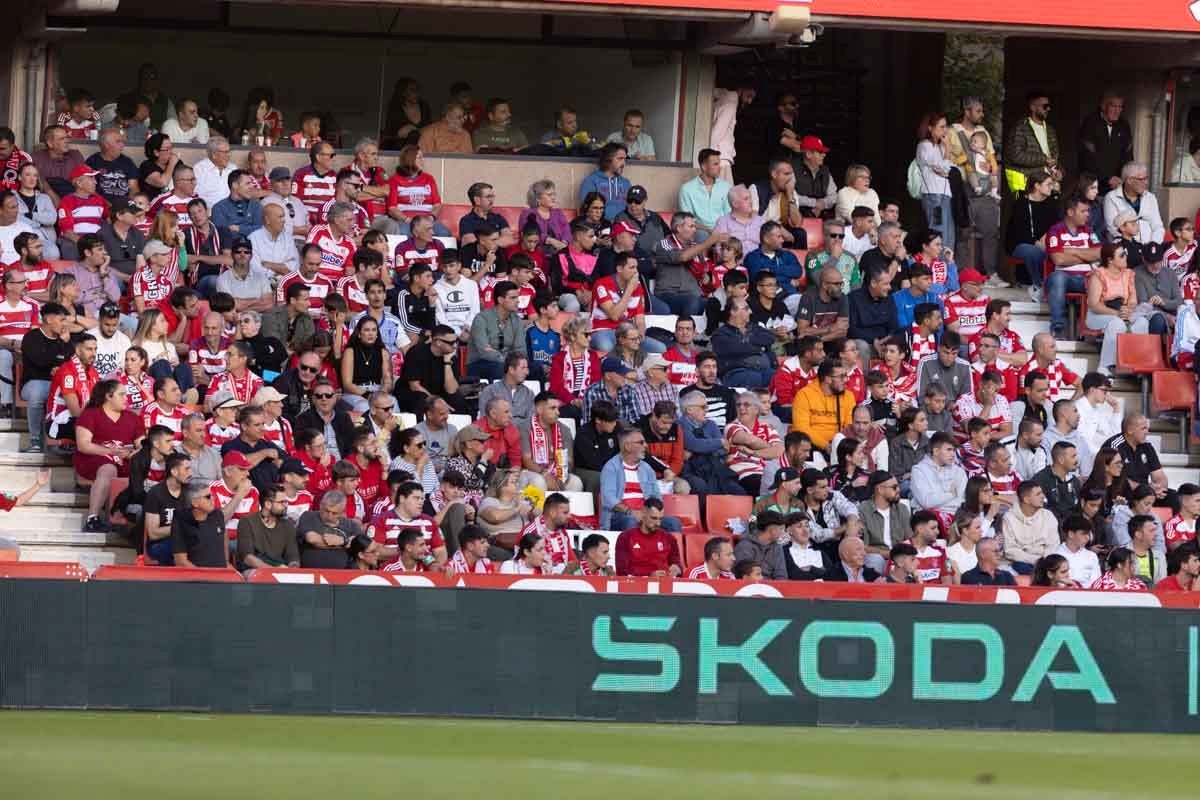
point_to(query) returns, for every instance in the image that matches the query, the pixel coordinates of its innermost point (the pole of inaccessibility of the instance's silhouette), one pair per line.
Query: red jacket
(642, 555)
(505, 441)
(558, 383)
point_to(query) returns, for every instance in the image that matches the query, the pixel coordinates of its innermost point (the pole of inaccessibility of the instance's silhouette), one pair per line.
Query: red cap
(235, 459)
(970, 276)
(83, 171)
(625, 226)
(813, 143)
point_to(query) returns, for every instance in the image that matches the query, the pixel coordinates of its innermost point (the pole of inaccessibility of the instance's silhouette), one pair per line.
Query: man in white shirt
(274, 248)
(1133, 196)
(212, 173)
(861, 236)
(1099, 411)
(188, 126)
(1084, 566)
(111, 342)
(457, 300)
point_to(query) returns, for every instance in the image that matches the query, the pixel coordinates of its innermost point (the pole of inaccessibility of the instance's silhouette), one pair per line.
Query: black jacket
(269, 353)
(835, 572)
(296, 398)
(1108, 152)
(594, 449)
(343, 428)
(794, 572)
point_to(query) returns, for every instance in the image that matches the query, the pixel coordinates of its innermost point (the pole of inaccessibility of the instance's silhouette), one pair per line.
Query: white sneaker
(994, 282)
(1035, 294)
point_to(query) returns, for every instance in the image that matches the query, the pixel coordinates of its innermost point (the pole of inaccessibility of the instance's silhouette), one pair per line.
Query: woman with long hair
(930, 250)
(1108, 475)
(366, 366)
(1119, 577)
(1032, 215)
(968, 530)
(407, 114)
(410, 453)
(1087, 186)
(1112, 302)
(154, 174)
(505, 511)
(151, 337)
(574, 368)
(261, 118)
(104, 442)
(849, 475)
(64, 290)
(530, 558)
(591, 213)
(934, 163)
(38, 209)
(165, 229)
(138, 383)
(980, 499)
(322, 344)
(1053, 571)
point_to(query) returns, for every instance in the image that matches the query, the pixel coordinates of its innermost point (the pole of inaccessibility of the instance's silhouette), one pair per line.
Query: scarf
(569, 371)
(554, 457)
(195, 240)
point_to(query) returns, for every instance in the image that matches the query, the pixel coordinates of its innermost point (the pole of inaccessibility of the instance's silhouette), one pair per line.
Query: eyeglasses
(323, 395)
(447, 342)
(306, 368)
(837, 236)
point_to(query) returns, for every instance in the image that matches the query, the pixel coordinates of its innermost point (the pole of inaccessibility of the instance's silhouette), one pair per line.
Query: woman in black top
(591, 212)
(366, 365)
(407, 114)
(154, 175)
(850, 475)
(1032, 216)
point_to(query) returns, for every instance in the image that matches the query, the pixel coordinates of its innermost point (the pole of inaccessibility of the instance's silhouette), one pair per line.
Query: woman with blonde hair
(504, 510)
(152, 337)
(165, 229)
(856, 192)
(574, 368)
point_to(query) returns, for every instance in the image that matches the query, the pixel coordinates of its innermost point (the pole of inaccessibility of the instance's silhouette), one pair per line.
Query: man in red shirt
(406, 515)
(1073, 248)
(1183, 571)
(237, 379)
(618, 298)
(333, 237)
(1012, 349)
(184, 180)
(70, 389)
(346, 190)
(319, 287)
(718, 561)
(82, 211)
(551, 525)
(313, 184)
(966, 309)
(234, 494)
(987, 346)
(1180, 529)
(795, 373)
(12, 158)
(648, 550)
(370, 463)
(505, 440)
(1064, 384)
(166, 409)
(420, 248)
(932, 566)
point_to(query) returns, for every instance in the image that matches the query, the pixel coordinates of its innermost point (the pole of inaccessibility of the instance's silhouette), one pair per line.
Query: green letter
(1089, 678)
(867, 689)
(665, 655)
(745, 655)
(926, 688)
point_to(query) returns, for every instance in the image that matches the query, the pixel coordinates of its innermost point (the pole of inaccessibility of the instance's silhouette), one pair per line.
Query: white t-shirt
(856, 246)
(110, 353)
(963, 560)
(1083, 563)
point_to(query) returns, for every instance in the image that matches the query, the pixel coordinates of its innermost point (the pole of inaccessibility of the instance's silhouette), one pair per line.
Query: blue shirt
(784, 264)
(613, 190)
(541, 347)
(906, 304)
(246, 214)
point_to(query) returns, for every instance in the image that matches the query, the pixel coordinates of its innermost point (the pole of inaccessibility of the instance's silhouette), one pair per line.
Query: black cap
(128, 208)
(242, 241)
(786, 474)
(109, 311)
(293, 466)
(636, 194)
(879, 476)
(279, 174)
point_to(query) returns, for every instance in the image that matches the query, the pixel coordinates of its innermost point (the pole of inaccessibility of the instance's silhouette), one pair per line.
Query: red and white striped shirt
(921, 346)
(319, 288)
(1010, 342)
(1177, 531)
(1190, 286)
(744, 464)
(70, 378)
(967, 408)
(215, 435)
(413, 194)
(153, 287)
(361, 219)
(175, 203)
(155, 414)
(337, 254)
(243, 388)
(1061, 379)
(1006, 371)
(902, 388)
(386, 529)
(279, 433)
(457, 565)
(971, 315)
(81, 215)
(931, 563)
(37, 279)
(79, 129)
(631, 494)
(1059, 238)
(1004, 484)
(558, 542)
(790, 378)
(407, 256)
(607, 291)
(356, 296)
(139, 392)
(700, 573)
(212, 362)
(313, 190)
(222, 495)
(297, 505)
(1177, 262)
(17, 319)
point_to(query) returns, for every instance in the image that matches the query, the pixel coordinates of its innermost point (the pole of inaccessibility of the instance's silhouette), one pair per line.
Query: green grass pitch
(130, 756)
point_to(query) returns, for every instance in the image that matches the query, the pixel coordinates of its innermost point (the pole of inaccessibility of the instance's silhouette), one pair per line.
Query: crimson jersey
(212, 362)
(355, 295)
(407, 255)
(11, 168)
(70, 379)
(222, 495)
(153, 287)
(319, 287)
(337, 254)
(856, 383)
(1177, 262)
(967, 408)
(1059, 238)
(313, 190)
(154, 414)
(607, 291)
(1010, 342)
(386, 529)
(920, 347)
(173, 203)
(18, 319)
(969, 314)
(78, 128)
(744, 464)
(37, 279)
(413, 194)
(1010, 388)
(457, 565)
(1004, 484)
(139, 392)
(558, 542)
(790, 378)
(1177, 531)
(931, 563)
(1061, 379)
(81, 215)
(902, 388)
(361, 219)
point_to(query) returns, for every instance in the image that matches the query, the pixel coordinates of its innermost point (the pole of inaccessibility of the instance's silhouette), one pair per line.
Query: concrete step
(18, 478)
(69, 536)
(45, 520)
(14, 424)
(58, 500)
(90, 558)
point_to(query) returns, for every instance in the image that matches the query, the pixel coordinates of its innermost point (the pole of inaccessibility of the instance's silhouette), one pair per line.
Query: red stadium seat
(1162, 513)
(1175, 390)
(9, 554)
(678, 537)
(815, 232)
(720, 508)
(1141, 354)
(686, 508)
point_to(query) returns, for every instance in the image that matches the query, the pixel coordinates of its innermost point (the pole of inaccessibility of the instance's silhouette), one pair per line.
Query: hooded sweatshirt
(1026, 539)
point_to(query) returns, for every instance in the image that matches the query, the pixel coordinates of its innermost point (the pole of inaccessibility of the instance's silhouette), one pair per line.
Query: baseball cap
(1153, 252)
(786, 474)
(636, 194)
(473, 433)
(223, 399)
(615, 364)
(879, 476)
(655, 361)
(971, 276)
(83, 171)
(1123, 217)
(235, 459)
(128, 208)
(293, 466)
(154, 247)
(268, 394)
(625, 226)
(279, 174)
(813, 143)
(242, 241)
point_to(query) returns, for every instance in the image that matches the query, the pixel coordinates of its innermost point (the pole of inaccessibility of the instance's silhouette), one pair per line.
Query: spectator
(1134, 196)
(850, 565)
(1030, 530)
(830, 515)
(1106, 144)
(18, 320)
(313, 184)
(651, 228)
(267, 538)
(938, 482)
(1188, 167)
(495, 333)
(105, 434)
(325, 534)
(833, 256)
(627, 483)
(238, 212)
(771, 255)
(368, 267)
(71, 388)
(1158, 285)
(335, 424)
(111, 342)
(945, 370)
(988, 404)
(407, 115)
(707, 196)
(471, 557)
(505, 511)
(1122, 566)
(499, 135)
(447, 135)
(412, 192)
(336, 243)
(718, 397)
(551, 528)
(1083, 565)
(251, 289)
(290, 323)
(188, 127)
(35, 210)
(155, 173)
(1112, 302)
(718, 561)
(414, 305)
(645, 548)
(295, 220)
(198, 531)
(161, 504)
(595, 444)
(268, 354)
(607, 180)
(473, 461)
(366, 366)
(817, 193)
(1099, 411)
(482, 197)
(543, 212)
(1142, 466)
(263, 455)
(56, 162)
(1032, 148)
(857, 193)
(117, 175)
(497, 423)
(214, 172)
(987, 571)
(823, 407)
(934, 164)
(256, 168)
(636, 142)
(742, 349)
(12, 158)
(861, 236)
(430, 370)
(873, 315)
(1066, 429)
(750, 444)
(310, 130)
(80, 212)
(885, 520)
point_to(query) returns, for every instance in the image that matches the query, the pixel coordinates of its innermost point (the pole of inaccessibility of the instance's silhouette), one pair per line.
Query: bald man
(851, 564)
(824, 310)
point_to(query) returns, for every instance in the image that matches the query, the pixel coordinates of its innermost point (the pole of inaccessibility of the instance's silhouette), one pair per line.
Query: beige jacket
(1026, 539)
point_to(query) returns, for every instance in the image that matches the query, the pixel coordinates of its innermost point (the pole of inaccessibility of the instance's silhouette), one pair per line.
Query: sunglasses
(323, 395)
(837, 236)
(305, 368)
(447, 342)
(241, 250)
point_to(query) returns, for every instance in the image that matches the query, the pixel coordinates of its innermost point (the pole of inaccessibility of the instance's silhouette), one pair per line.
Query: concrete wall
(510, 175)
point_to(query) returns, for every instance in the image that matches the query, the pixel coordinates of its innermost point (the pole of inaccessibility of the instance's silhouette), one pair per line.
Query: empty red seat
(1141, 354)
(685, 508)
(720, 508)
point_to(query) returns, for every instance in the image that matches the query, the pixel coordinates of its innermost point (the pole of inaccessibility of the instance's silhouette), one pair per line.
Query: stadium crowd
(241, 343)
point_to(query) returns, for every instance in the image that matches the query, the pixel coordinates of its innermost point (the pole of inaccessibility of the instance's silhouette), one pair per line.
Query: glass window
(1183, 165)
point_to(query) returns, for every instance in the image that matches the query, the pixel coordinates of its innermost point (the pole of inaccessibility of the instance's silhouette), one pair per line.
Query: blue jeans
(182, 373)
(35, 394)
(1034, 257)
(1021, 568)
(623, 522)
(681, 304)
(929, 204)
(206, 287)
(1058, 285)
(1158, 325)
(492, 370)
(658, 306)
(748, 378)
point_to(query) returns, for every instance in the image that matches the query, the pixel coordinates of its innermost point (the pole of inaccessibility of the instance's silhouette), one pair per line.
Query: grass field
(132, 756)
